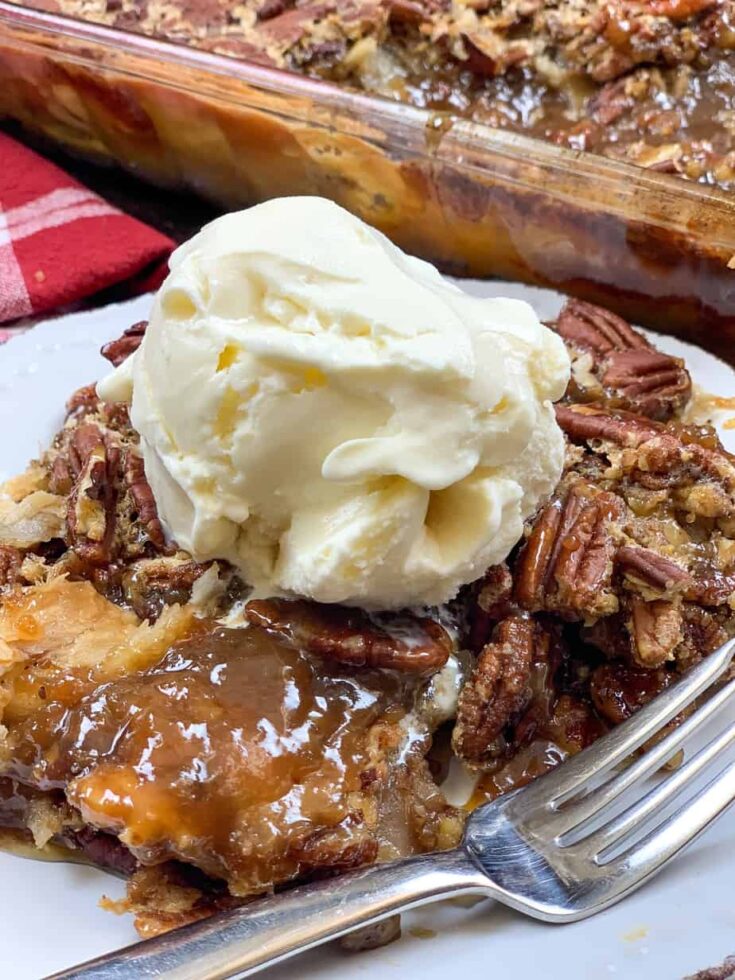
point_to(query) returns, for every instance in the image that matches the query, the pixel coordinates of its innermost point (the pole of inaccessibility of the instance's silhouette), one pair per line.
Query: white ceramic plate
(49, 919)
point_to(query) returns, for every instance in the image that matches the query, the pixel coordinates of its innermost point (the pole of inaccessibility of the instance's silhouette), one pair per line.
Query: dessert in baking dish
(212, 743)
(648, 81)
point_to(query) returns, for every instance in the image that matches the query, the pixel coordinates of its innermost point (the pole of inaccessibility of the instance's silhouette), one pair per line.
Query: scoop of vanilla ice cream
(333, 417)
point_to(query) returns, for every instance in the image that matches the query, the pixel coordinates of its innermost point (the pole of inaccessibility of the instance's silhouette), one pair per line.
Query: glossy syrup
(234, 752)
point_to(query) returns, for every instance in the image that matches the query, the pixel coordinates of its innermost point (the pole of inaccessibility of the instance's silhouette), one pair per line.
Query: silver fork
(554, 850)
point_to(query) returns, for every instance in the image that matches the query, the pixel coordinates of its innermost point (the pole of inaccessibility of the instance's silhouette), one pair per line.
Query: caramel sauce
(540, 757)
(705, 407)
(233, 751)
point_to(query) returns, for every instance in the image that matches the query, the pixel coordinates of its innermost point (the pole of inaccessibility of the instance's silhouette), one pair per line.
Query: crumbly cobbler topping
(210, 747)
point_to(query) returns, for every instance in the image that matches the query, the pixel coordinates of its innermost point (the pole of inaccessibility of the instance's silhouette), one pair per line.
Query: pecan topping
(692, 465)
(498, 690)
(153, 583)
(596, 329)
(350, 636)
(273, 8)
(651, 569)
(84, 401)
(648, 382)
(493, 602)
(709, 586)
(566, 565)
(704, 630)
(583, 423)
(629, 372)
(655, 632)
(60, 479)
(143, 500)
(496, 591)
(120, 350)
(619, 690)
(91, 509)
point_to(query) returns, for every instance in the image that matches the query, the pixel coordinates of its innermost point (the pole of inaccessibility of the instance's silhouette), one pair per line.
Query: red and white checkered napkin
(60, 242)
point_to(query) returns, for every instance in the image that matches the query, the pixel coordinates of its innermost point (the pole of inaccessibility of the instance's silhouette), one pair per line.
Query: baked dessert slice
(146, 728)
(211, 747)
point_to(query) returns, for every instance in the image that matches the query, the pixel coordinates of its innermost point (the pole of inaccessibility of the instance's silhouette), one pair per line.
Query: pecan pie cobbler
(647, 81)
(210, 747)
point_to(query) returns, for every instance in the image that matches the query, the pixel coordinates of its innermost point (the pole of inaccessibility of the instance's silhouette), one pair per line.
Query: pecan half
(350, 636)
(656, 632)
(142, 497)
(120, 350)
(91, 508)
(655, 572)
(497, 692)
(596, 329)
(585, 423)
(647, 381)
(84, 401)
(621, 369)
(566, 564)
(150, 584)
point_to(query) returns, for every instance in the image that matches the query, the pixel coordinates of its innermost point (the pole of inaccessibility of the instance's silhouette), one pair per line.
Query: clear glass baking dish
(475, 200)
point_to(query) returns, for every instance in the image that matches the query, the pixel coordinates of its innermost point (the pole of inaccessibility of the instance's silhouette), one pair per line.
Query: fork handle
(242, 941)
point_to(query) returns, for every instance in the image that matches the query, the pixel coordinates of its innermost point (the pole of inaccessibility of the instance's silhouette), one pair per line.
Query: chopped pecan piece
(273, 8)
(655, 630)
(10, 561)
(619, 366)
(60, 479)
(709, 586)
(85, 440)
(151, 584)
(143, 500)
(701, 480)
(567, 563)
(492, 603)
(619, 690)
(654, 571)
(496, 591)
(350, 636)
(120, 350)
(498, 690)
(84, 401)
(91, 508)
(704, 630)
(573, 724)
